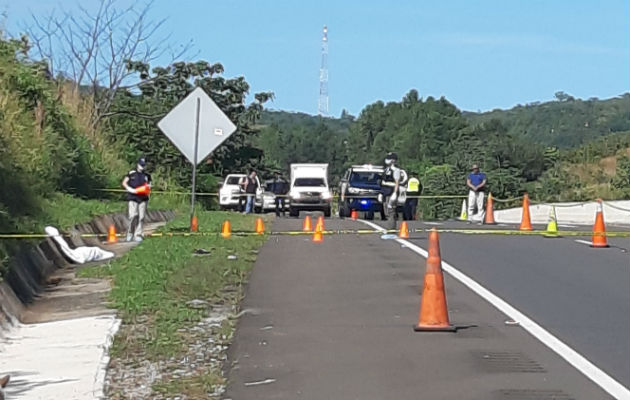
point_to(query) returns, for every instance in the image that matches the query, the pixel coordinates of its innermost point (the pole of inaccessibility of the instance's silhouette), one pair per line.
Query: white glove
(394, 197)
(131, 190)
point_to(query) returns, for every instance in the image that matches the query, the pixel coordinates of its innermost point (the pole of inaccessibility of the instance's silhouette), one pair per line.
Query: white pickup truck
(230, 191)
(309, 189)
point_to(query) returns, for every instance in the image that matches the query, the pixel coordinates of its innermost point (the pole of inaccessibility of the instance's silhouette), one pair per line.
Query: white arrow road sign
(179, 125)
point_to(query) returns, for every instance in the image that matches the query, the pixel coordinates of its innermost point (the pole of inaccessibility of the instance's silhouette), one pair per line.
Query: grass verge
(153, 284)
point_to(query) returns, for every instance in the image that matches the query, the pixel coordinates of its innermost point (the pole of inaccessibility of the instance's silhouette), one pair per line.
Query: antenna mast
(322, 107)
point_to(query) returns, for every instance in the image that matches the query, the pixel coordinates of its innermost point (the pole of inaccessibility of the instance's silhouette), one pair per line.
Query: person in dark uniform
(280, 189)
(137, 183)
(411, 203)
(250, 191)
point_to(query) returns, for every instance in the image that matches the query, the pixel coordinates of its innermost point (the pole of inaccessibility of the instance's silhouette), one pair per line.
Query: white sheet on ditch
(80, 255)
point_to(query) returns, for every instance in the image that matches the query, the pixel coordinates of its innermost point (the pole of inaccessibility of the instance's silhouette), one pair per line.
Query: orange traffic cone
(194, 224)
(433, 310)
(599, 229)
(111, 234)
(320, 223)
(354, 215)
(318, 237)
(526, 222)
(260, 226)
(226, 229)
(404, 231)
(306, 227)
(489, 212)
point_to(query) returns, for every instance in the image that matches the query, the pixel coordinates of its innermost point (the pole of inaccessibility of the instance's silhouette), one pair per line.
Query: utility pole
(322, 107)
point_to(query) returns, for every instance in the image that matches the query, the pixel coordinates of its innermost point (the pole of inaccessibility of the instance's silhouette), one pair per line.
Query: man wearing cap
(137, 183)
(476, 183)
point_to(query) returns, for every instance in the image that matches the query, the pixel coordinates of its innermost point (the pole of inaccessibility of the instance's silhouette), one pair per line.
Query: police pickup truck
(359, 190)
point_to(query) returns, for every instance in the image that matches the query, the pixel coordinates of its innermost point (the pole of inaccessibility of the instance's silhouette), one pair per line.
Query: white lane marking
(574, 358)
(584, 242)
(433, 223)
(566, 226)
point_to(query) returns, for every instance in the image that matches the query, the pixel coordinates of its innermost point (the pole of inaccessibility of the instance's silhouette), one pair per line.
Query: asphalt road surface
(334, 319)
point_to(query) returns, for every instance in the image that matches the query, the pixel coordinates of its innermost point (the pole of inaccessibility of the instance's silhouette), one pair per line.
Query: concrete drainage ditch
(30, 269)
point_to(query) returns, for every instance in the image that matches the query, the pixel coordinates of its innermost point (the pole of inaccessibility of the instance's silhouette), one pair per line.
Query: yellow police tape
(335, 232)
(336, 196)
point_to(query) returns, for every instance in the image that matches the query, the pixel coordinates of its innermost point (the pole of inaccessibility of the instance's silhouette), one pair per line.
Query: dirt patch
(609, 165)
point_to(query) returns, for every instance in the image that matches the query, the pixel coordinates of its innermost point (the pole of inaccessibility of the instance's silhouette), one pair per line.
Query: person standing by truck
(391, 183)
(250, 191)
(137, 183)
(279, 189)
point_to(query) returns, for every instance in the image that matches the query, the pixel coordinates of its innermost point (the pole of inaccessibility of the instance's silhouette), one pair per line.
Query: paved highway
(333, 320)
(580, 294)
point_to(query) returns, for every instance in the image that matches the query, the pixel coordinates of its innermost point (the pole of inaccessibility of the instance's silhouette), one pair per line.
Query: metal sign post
(194, 174)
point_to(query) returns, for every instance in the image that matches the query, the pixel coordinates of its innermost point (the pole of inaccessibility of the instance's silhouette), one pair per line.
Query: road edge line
(579, 362)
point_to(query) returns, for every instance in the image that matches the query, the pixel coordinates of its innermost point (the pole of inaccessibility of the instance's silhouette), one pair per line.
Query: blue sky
(480, 55)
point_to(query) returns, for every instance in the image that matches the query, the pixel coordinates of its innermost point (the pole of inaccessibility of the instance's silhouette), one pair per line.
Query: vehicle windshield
(310, 182)
(233, 180)
(364, 177)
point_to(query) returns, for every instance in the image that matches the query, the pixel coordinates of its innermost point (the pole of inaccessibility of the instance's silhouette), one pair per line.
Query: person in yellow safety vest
(411, 204)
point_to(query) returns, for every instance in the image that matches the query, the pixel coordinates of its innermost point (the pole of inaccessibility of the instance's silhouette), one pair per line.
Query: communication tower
(322, 107)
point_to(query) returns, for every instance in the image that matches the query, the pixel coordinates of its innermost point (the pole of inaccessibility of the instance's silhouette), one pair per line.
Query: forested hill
(535, 148)
(286, 118)
(565, 122)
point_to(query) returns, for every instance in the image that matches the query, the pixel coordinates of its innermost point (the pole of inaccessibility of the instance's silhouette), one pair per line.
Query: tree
(562, 96)
(90, 49)
(133, 117)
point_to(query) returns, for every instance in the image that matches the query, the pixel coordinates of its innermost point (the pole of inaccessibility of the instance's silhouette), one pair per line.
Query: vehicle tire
(342, 210)
(345, 206)
(327, 212)
(369, 215)
(258, 210)
(294, 212)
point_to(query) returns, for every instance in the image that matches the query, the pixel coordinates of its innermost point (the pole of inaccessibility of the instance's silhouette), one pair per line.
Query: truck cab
(309, 189)
(359, 189)
(230, 191)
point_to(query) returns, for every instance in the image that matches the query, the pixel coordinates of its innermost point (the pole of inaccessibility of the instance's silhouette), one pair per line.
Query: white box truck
(309, 189)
